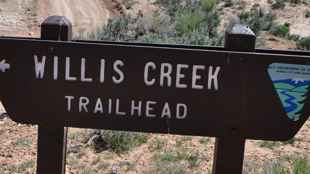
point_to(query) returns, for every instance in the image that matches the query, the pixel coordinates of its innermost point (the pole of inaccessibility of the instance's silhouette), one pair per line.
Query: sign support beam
(53, 160)
(229, 150)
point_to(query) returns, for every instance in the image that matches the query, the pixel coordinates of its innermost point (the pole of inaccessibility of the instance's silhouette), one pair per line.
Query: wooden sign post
(229, 150)
(52, 141)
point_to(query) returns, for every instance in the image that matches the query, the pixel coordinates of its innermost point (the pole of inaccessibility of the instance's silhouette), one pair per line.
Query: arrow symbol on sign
(4, 66)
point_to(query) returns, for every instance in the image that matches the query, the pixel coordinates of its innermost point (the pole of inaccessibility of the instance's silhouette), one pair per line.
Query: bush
(192, 158)
(278, 4)
(178, 22)
(295, 1)
(281, 30)
(116, 30)
(207, 5)
(129, 3)
(257, 20)
(293, 37)
(275, 167)
(161, 23)
(269, 144)
(170, 6)
(116, 141)
(301, 166)
(228, 3)
(304, 43)
(187, 21)
(307, 14)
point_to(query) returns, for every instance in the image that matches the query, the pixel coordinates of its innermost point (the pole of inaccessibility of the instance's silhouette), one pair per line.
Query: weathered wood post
(229, 150)
(52, 141)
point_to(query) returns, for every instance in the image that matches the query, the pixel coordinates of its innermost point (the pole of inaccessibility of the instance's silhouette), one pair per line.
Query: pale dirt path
(86, 16)
(23, 17)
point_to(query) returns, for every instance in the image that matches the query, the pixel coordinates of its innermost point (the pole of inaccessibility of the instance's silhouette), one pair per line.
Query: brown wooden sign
(161, 89)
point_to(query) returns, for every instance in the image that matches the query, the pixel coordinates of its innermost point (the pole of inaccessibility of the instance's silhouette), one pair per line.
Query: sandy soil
(18, 146)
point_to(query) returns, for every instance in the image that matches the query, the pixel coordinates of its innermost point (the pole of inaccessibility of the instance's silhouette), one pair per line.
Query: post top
(57, 20)
(239, 38)
(56, 28)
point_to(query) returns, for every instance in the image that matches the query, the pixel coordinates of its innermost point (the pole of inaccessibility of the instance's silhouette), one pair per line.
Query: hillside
(23, 17)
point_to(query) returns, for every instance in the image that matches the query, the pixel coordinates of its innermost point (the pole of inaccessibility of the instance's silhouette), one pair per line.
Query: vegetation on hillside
(175, 22)
(195, 22)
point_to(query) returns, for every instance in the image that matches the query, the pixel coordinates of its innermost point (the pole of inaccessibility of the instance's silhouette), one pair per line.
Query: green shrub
(22, 167)
(162, 167)
(120, 141)
(293, 37)
(228, 3)
(116, 30)
(296, 1)
(116, 141)
(275, 167)
(160, 23)
(269, 144)
(281, 165)
(192, 158)
(301, 166)
(257, 20)
(191, 25)
(177, 22)
(281, 30)
(207, 5)
(304, 43)
(129, 3)
(290, 141)
(157, 144)
(307, 14)
(23, 142)
(170, 6)
(278, 4)
(204, 140)
(187, 21)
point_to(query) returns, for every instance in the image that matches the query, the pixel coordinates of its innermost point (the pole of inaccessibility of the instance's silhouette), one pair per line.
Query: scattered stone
(115, 169)
(98, 143)
(124, 163)
(3, 116)
(74, 148)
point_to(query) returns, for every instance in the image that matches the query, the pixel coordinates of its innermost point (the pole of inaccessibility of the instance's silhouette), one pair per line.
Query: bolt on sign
(190, 91)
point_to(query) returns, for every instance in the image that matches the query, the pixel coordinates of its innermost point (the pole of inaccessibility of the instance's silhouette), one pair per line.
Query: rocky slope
(23, 17)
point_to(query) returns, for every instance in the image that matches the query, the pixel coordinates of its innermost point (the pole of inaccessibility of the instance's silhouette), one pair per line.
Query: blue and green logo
(292, 83)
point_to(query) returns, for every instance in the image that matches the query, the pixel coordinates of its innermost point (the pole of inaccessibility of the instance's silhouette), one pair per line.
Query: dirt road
(86, 16)
(23, 17)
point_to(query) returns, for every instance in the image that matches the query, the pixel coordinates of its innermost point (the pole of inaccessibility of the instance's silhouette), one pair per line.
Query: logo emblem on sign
(292, 84)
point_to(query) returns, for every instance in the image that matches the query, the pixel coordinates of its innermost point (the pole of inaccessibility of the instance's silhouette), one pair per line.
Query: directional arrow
(4, 66)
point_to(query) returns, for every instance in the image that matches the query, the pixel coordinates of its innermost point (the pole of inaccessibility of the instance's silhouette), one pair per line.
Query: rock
(124, 163)
(74, 148)
(2, 109)
(98, 143)
(3, 116)
(115, 169)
